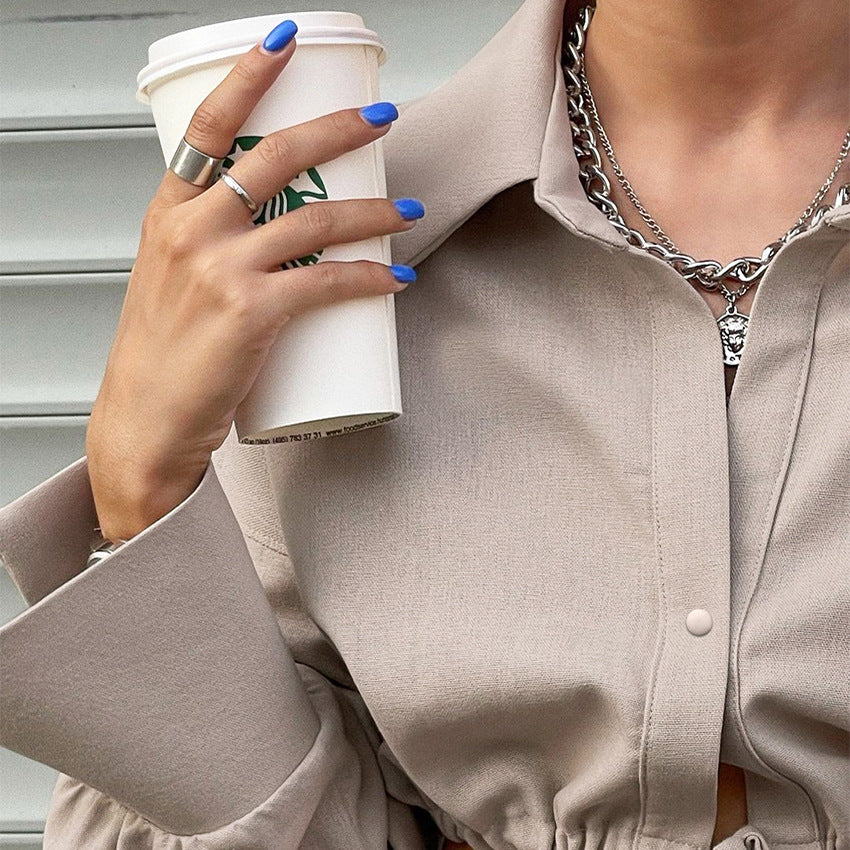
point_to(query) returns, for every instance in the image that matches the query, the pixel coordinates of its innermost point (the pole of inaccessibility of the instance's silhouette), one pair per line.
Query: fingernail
(380, 113)
(410, 208)
(403, 274)
(280, 36)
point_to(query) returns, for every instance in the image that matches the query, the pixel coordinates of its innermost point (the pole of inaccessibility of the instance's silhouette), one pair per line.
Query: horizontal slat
(32, 448)
(20, 840)
(44, 421)
(75, 64)
(27, 786)
(55, 335)
(74, 200)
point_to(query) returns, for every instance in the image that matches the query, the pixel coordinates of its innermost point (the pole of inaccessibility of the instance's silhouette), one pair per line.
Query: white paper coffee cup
(334, 369)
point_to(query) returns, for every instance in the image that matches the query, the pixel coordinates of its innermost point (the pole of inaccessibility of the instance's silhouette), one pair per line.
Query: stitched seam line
(646, 746)
(265, 541)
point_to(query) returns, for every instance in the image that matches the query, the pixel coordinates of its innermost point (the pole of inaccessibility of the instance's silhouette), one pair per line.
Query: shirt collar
(480, 132)
(499, 120)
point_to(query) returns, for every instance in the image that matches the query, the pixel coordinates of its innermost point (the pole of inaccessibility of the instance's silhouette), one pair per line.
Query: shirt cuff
(159, 676)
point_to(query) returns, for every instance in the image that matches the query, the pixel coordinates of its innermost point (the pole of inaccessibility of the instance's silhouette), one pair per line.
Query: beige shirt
(535, 611)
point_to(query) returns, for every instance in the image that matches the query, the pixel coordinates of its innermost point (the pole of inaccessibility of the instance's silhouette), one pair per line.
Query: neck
(701, 67)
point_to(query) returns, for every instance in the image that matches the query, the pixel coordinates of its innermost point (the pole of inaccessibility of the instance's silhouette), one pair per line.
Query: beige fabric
(471, 622)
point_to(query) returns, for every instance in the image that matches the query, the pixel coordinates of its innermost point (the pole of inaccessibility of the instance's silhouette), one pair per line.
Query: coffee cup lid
(212, 43)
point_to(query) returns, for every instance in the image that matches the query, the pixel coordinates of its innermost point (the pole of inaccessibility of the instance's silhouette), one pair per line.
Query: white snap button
(699, 621)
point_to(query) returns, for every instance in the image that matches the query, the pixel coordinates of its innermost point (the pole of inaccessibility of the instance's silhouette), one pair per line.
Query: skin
(726, 118)
(730, 130)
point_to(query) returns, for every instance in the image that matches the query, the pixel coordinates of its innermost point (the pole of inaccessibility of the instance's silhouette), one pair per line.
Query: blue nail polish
(380, 113)
(280, 36)
(404, 274)
(410, 208)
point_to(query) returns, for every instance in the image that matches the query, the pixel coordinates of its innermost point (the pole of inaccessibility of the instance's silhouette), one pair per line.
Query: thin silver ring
(245, 197)
(195, 166)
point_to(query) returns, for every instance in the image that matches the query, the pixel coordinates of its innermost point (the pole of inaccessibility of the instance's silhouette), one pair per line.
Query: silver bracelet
(101, 548)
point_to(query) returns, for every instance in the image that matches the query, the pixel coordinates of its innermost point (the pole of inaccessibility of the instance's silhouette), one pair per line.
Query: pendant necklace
(709, 274)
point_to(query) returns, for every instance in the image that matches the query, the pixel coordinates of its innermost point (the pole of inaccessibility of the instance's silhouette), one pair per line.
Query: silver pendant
(733, 334)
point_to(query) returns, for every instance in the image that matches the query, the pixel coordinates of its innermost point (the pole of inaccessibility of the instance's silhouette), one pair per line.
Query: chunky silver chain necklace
(709, 274)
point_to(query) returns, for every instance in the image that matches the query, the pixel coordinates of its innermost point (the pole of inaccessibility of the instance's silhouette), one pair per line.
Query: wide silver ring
(244, 196)
(194, 166)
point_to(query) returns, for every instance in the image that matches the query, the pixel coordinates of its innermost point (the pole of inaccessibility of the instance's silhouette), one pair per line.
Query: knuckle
(319, 219)
(378, 274)
(226, 291)
(276, 148)
(332, 279)
(151, 223)
(239, 301)
(206, 120)
(182, 238)
(343, 122)
(246, 73)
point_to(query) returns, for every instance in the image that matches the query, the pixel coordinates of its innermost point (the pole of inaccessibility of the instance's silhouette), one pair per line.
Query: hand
(207, 297)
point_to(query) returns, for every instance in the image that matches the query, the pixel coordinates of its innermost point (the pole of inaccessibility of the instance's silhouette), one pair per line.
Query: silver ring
(194, 166)
(245, 197)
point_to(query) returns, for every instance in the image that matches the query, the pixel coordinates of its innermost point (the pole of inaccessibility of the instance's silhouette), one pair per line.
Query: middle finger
(280, 157)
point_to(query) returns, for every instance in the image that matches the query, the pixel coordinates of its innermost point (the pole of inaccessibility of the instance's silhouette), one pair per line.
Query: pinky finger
(295, 291)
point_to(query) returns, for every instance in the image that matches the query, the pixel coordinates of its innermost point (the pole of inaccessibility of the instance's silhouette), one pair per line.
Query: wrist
(130, 498)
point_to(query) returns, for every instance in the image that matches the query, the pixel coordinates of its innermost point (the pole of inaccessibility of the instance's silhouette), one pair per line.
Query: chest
(495, 564)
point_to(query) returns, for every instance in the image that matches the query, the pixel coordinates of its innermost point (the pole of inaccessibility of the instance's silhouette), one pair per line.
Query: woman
(586, 594)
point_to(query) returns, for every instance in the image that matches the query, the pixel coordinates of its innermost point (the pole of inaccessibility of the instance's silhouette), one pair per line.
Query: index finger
(225, 109)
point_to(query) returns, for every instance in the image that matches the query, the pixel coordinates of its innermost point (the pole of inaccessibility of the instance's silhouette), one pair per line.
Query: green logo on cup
(289, 199)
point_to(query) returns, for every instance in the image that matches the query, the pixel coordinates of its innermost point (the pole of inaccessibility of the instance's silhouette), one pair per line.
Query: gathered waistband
(746, 837)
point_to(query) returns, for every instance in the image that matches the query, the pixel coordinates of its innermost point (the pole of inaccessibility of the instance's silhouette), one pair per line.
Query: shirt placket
(683, 718)
(717, 481)
(684, 702)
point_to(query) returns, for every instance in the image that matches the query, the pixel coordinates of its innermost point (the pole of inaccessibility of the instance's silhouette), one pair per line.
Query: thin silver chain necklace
(709, 274)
